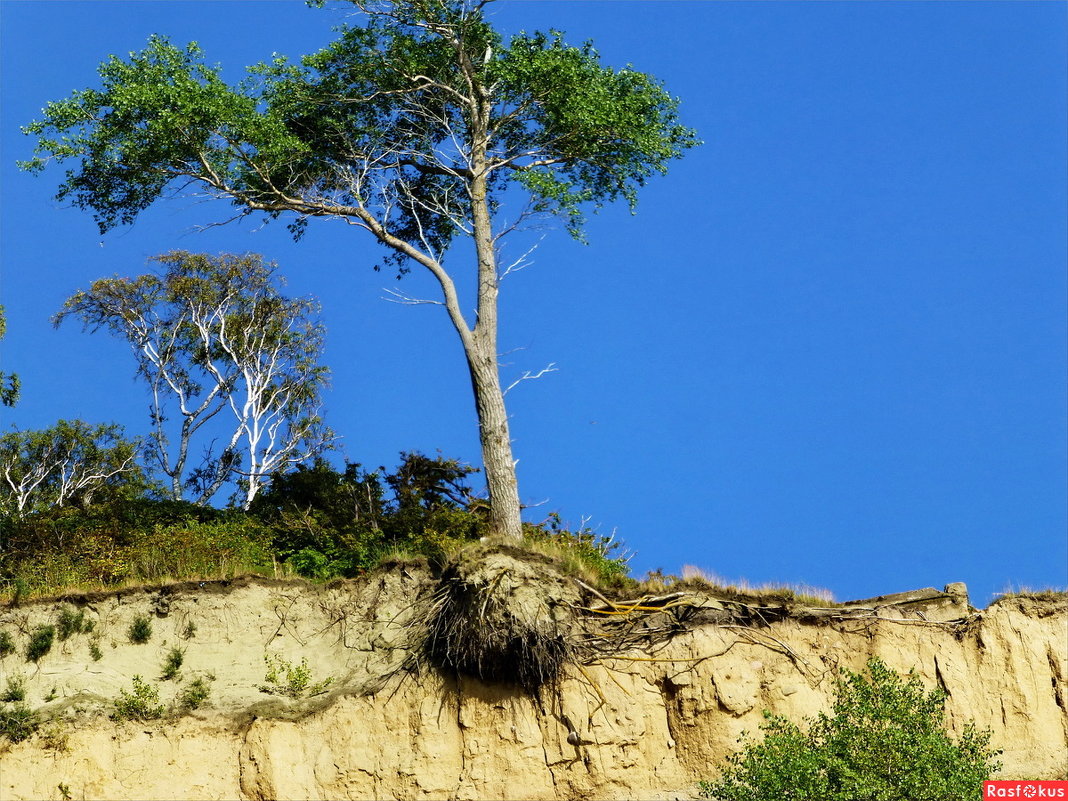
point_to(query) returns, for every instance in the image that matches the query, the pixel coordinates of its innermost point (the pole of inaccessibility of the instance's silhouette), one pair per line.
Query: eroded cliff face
(645, 721)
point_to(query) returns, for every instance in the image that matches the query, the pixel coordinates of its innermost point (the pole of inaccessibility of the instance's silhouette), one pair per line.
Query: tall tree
(415, 127)
(211, 332)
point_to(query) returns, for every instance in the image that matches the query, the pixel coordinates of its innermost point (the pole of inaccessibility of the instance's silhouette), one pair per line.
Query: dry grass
(1046, 594)
(699, 579)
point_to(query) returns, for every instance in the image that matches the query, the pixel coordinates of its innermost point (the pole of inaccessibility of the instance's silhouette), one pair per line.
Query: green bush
(141, 704)
(41, 639)
(7, 644)
(172, 664)
(884, 741)
(18, 722)
(193, 695)
(140, 630)
(70, 622)
(15, 690)
(328, 523)
(296, 681)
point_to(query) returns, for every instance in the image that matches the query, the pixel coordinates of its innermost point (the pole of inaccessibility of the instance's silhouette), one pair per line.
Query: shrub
(140, 630)
(18, 722)
(70, 622)
(41, 639)
(193, 695)
(94, 651)
(15, 690)
(885, 739)
(7, 644)
(141, 704)
(297, 679)
(329, 523)
(172, 664)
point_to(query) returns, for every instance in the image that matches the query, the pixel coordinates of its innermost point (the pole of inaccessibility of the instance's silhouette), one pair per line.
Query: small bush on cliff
(140, 630)
(41, 640)
(7, 644)
(193, 695)
(141, 704)
(884, 741)
(18, 722)
(296, 681)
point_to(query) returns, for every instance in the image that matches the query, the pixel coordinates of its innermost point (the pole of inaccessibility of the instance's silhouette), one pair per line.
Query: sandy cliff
(644, 718)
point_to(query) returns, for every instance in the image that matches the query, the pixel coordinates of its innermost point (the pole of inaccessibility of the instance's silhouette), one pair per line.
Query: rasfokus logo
(1025, 789)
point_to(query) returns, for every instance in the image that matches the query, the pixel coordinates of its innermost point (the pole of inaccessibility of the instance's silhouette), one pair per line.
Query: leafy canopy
(390, 126)
(884, 741)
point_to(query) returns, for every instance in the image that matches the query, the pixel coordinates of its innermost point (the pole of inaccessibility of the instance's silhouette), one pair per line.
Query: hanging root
(502, 619)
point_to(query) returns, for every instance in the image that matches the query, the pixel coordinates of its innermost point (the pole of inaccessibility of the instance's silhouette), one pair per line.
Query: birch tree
(211, 334)
(422, 126)
(69, 463)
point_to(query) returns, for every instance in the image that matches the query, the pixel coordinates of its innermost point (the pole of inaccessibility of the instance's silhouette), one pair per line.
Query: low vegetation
(172, 664)
(140, 630)
(18, 722)
(69, 622)
(314, 521)
(141, 703)
(292, 681)
(41, 639)
(193, 695)
(885, 739)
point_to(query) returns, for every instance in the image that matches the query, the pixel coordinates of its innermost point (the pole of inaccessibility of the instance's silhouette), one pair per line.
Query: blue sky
(829, 348)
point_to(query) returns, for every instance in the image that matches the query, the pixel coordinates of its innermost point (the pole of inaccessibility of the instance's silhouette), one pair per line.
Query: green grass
(69, 622)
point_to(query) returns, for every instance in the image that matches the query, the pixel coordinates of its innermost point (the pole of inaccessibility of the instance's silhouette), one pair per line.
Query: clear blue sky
(830, 348)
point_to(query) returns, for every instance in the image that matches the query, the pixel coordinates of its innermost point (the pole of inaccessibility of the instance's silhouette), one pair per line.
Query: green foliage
(884, 741)
(329, 523)
(193, 695)
(172, 664)
(71, 463)
(7, 643)
(9, 382)
(140, 630)
(565, 129)
(70, 622)
(40, 643)
(140, 704)
(15, 690)
(190, 631)
(18, 722)
(94, 651)
(293, 681)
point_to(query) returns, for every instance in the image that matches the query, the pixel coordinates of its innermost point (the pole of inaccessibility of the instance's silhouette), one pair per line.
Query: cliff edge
(497, 677)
